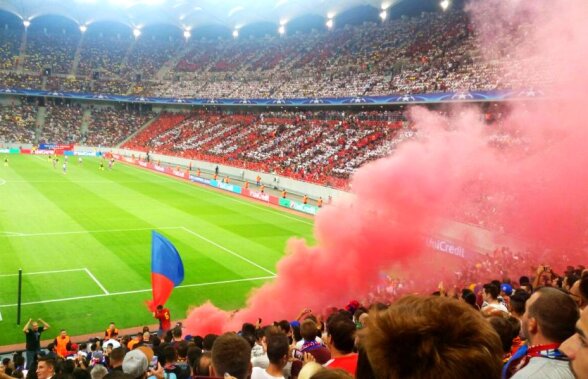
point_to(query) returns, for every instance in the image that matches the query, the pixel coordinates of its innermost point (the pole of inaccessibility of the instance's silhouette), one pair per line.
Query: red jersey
(164, 319)
(347, 363)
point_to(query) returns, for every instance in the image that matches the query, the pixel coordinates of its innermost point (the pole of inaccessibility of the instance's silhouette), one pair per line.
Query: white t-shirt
(499, 306)
(114, 343)
(260, 373)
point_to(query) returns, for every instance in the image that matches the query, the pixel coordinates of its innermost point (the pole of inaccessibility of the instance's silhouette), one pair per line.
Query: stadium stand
(18, 123)
(110, 127)
(319, 147)
(435, 52)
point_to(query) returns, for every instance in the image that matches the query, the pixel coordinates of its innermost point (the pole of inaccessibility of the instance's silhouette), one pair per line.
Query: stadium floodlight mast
(383, 15)
(83, 28)
(235, 33)
(282, 29)
(136, 32)
(187, 34)
(444, 4)
(329, 23)
(26, 23)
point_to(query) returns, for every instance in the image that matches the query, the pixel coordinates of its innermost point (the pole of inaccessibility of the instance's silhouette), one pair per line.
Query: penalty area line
(43, 272)
(228, 251)
(97, 281)
(136, 291)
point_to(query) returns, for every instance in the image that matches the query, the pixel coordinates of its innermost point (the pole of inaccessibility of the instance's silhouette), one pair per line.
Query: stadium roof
(186, 14)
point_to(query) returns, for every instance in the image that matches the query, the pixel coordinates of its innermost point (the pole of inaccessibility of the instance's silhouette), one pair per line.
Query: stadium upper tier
(436, 52)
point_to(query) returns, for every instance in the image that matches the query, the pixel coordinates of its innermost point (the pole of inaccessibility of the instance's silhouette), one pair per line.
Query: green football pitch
(83, 241)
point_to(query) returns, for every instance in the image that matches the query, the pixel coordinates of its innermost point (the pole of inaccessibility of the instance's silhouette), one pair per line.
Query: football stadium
(287, 188)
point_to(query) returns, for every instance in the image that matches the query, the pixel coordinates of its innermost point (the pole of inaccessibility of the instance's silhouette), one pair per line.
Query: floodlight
(235, 33)
(26, 23)
(282, 29)
(83, 28)
(329, 23)
(383, 15)
(187, 34)
(136, 32)
(444, 4)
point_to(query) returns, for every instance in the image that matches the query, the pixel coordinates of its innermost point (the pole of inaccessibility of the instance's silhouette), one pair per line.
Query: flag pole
(19, 296)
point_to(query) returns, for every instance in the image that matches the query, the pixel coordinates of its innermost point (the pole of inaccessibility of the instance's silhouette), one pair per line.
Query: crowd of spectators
(53, 49)
(530, 327)
(433, 52)
(9, 45)
(63, 124)
(322, 147)
(18, 123)
(20, 81)
(108, 127)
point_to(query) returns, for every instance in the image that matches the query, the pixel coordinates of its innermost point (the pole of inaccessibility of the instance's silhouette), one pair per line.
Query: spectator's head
(517, 303)
(504, 330)
(505, 289)
(431, 337)
(550, 316)
(309, 369)
(576, 348)
(308, 330)
(491, 292)
(231, 354)
(45, 368)
(116, 357)
(98, 372)
(469, 297)
(182, 349)
(583, 288)
(284, 325)
(136, 362)
(340, 334)
(569, 280)
(170, 354)
(193, 355)
(177, 332)
(80, 373)
(202, 368)
(35, 326)
(208, 341)
(277, 349)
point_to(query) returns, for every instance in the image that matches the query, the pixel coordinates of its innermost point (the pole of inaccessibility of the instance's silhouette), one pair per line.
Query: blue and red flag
(167, 269)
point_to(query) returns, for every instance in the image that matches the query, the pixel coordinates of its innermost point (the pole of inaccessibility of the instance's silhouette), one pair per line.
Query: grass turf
(84, 239)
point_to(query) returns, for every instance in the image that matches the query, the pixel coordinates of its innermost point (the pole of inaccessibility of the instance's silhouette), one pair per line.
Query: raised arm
(44, 324)
(26, 327)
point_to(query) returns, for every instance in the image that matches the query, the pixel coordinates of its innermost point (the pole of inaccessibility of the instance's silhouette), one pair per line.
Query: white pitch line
(44, 272)
(97, 281)
(13, 234)
(10, 234)
(136, 291)
(228, 251)
(2, 181)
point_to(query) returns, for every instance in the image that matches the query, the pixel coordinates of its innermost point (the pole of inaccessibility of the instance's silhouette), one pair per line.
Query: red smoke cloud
(536, 189)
